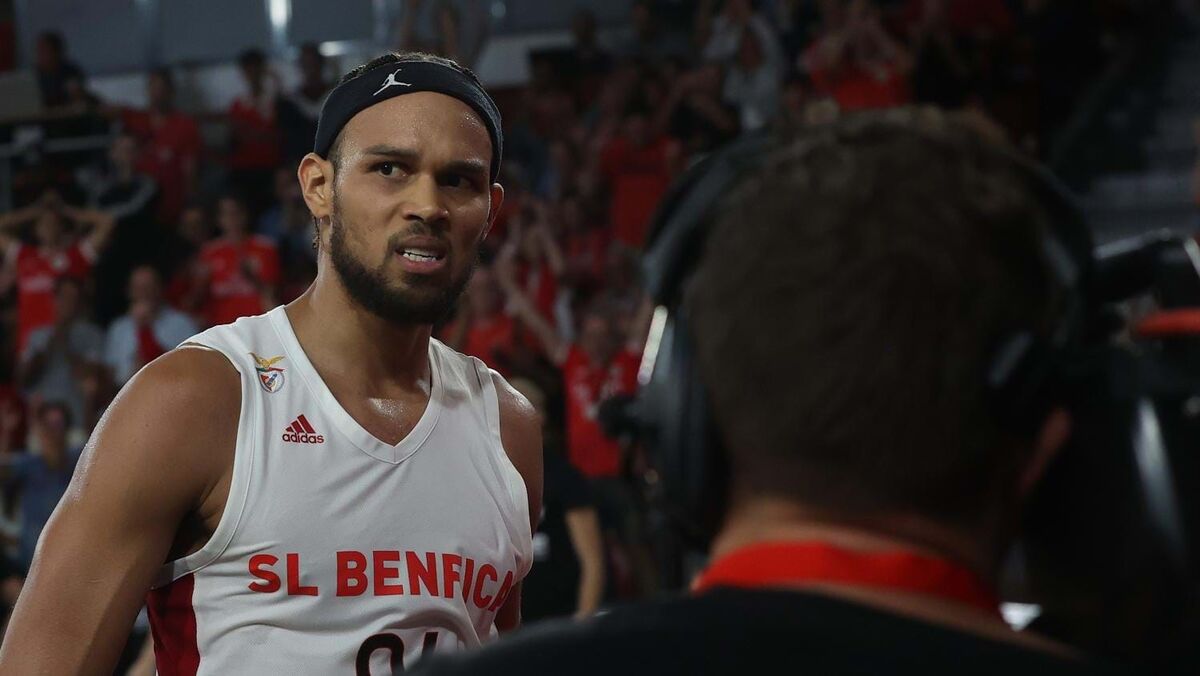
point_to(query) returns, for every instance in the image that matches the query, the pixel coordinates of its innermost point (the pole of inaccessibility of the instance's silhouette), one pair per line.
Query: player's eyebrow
(470, 166)
(393, 152)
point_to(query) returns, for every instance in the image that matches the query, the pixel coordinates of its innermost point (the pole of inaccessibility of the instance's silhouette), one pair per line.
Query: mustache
(421, 230)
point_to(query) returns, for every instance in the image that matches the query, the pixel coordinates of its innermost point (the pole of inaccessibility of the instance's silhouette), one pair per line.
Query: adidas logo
(301, 432)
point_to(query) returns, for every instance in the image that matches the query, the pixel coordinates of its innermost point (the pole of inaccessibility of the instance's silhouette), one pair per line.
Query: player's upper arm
(157, 454)
(521, 434)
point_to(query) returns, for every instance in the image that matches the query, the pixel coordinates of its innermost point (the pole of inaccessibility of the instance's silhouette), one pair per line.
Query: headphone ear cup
(684, 445)
(1022, 382)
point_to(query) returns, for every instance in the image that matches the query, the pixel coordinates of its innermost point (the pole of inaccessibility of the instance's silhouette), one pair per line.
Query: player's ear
(315, 174)
(494, 209)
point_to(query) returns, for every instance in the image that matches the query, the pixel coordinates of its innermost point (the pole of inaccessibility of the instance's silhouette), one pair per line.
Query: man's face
(48, 229)
(286, 188)
(158, 92)
(596, 336)
(583, 26)
(52, 431)
(253, 73)
(412, 200)
(47, 57)
(483, 294)
(750, 55)
(641, 19)
(123, 152)
(311, 64)
(144, 286)
(637, 129)
(231, 218)
(192, 225)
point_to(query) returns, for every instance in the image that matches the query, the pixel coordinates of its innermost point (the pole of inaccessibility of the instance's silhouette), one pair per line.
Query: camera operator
(845, 313)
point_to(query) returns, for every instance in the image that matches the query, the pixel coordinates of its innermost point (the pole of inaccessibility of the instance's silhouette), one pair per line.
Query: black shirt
(552, 587)
(738, 631)
(53, 83)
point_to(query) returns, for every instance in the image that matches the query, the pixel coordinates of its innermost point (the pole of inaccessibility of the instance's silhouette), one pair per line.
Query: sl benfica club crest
(269, 375)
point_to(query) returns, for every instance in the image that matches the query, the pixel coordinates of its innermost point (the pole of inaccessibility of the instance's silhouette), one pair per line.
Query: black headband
(405, 77)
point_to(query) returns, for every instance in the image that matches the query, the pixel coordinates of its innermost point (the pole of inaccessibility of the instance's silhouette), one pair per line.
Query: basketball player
(322, 489)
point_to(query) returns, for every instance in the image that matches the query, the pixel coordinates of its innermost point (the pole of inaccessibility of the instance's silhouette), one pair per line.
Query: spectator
(752, 84)
(535, 257)
(169, 144)
(63, 361)
(35, 269)
(287, 221)
(638, 166)
(599, 365)
(8, 37)
(442, 31)
(41, 477)
(721, 36)
(150, 328)
(589, 63)
(130, 197)
(695, 113)
(649, 40)
(560, 172)
(54, 70)
(483, 329)
(255, 151)
(299, 110)
(12, 435)
(238, 274)
(289, 225)
(585, 242)
(857, 62)
(182, 257)
(567, 578)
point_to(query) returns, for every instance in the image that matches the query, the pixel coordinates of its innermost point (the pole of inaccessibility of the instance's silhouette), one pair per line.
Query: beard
(419, 300)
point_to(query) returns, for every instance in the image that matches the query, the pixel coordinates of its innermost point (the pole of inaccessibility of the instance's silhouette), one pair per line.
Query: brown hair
(848, 305)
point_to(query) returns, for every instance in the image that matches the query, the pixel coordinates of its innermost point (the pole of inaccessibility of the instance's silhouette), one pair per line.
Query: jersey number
(395, 647)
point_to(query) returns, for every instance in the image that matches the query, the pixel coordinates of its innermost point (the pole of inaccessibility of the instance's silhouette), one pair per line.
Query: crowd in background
(113, 258)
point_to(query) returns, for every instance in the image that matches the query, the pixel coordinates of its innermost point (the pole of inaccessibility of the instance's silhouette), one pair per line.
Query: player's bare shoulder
(521, 434)
(177, 418)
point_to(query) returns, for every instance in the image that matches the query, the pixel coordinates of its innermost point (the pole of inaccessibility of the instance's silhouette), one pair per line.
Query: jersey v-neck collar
(349, 427)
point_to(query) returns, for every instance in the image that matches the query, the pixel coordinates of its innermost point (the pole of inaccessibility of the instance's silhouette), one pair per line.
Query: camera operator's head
(852, 296)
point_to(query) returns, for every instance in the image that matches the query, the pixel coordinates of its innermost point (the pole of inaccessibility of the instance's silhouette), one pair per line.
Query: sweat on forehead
(425, 123)
(395, 78)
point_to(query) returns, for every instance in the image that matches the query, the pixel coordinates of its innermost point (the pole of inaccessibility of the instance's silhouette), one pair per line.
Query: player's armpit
(508, 618)
(156, 456)
(521, 434)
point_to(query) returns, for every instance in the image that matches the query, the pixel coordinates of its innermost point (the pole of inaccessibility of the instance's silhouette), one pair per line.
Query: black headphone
(1121, 477)
(672, 405)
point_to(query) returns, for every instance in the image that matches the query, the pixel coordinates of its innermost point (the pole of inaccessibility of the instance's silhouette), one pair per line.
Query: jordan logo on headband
(391, 82)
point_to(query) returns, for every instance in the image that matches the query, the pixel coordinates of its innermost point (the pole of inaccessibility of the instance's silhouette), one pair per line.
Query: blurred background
(147, 189)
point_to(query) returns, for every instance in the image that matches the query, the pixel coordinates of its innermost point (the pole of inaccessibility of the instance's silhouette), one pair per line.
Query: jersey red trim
(173, 625)
(1179, 322)
(783, 563)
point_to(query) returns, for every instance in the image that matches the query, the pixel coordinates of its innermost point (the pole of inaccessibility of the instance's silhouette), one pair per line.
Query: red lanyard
(772, 563)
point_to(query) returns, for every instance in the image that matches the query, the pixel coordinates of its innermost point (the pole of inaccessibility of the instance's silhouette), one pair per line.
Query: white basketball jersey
(338, 553)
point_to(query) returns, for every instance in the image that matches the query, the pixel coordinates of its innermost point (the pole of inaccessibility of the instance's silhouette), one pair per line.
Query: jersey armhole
(235, 504)
(513, 479)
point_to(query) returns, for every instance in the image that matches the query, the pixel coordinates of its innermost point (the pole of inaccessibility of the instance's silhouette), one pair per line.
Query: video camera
(1109, 541)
